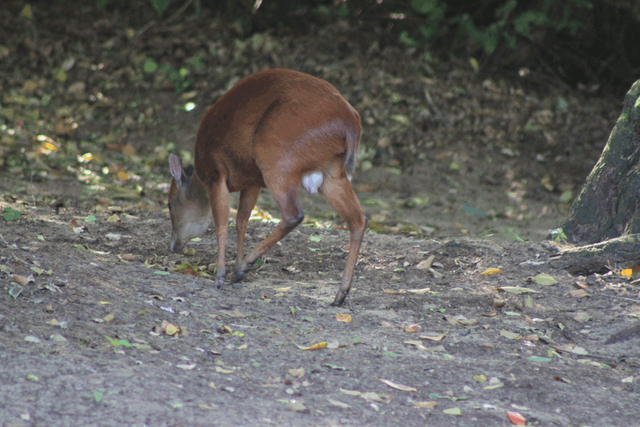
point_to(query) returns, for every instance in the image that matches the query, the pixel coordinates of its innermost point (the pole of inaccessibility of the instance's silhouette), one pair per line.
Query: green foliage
(11, 214)
(512, 20)
(117, 343)
(159, 5)
(558, 235)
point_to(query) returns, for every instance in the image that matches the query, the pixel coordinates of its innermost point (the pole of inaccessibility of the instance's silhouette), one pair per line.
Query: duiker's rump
(277, 129)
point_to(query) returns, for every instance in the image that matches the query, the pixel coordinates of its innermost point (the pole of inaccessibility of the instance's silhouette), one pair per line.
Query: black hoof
(340, 297)
(238, 276)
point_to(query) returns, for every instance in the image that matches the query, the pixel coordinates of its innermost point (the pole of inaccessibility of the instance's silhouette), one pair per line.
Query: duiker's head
(188, 205)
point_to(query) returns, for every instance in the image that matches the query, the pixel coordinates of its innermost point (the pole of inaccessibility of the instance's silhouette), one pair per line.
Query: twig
(167, 21)
(178, 12)
(435, 109)
(615, 296)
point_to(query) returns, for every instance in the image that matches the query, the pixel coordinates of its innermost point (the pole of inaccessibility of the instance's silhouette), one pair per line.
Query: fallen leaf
(313, 347)
(417, 291)
(413, 328)
(432, 337)
(295, 406)
(428, 405)
(371, 397)
(460, 320)
(233, 313)
(510, 335)
(490, 271)
(516, 290)
(186, 367)
(339, 404)
(426, 264)
(516, 418)
(398, 386)
(350, 392)
(545, 279)
(627, 273)
(578, 293)
(453, 411)
(343, 318)
(297, 373)
(22, 280)
(109, 317)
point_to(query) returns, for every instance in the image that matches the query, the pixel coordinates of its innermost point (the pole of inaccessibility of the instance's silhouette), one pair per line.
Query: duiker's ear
(175, 165)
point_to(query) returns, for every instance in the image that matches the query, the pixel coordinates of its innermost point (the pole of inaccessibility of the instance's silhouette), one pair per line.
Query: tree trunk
(609, 204)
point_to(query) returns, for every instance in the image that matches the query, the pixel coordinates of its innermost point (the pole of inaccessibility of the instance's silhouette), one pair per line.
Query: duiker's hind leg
(339, 193)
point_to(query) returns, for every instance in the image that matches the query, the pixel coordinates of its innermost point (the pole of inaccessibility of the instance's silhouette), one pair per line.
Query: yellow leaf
(432, 338)
(490, 271)
(343, 318)
(627, 273)
(313, 347)
(123, 175)
(282, 289)
(170, 329)
(429, 405)
(26, 11)
(109, 317)
(453, 411)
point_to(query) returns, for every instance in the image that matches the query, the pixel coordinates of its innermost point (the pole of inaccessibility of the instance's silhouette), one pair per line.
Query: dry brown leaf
(22, 280)
(371, 397)
(413, 328)
(432, 337)
(297, 373)
(233, 313)
(397, 386)
(426, 264)
(109, 317)
(53, 322)
(578, 293)
(339, 404)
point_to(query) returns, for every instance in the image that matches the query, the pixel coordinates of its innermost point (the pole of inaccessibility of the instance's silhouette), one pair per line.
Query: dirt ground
(238, 355)
(100, 324)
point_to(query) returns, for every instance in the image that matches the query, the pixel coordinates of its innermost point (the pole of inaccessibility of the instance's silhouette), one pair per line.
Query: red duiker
(277, 129)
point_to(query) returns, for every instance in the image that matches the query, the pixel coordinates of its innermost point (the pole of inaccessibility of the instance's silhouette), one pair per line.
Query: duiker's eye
(169, 205)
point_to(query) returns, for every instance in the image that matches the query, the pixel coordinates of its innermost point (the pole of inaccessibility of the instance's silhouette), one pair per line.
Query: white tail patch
(312, 182)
